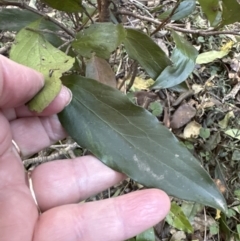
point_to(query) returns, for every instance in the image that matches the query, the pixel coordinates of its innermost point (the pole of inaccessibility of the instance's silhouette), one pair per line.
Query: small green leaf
(214, 229)
(183, 58)
(210, 56)
(129, 139)
(212, 10)
(177, 219)
(156, 108)
(31, 49)
(184, 9)
(204, 133)
(99, 38)
(148, 54)
(147, 235)
(70, 6)
(231, 9)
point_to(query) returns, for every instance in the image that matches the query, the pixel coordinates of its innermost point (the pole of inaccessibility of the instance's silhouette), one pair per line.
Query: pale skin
(60, 185)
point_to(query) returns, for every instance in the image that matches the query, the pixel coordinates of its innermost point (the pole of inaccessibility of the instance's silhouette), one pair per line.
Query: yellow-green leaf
(177, 219)
(210, 56)
(32, 49)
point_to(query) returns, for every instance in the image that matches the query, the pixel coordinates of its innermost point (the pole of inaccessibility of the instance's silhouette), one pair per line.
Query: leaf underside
(183, 59)
(129, 139)
(31, 49)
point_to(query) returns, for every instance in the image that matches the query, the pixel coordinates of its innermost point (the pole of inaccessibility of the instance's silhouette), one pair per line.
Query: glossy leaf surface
(183, 58)
(99, 38)
(32, 49)
(184, 9)
(129, 139)
(66, 5)
(148, 54)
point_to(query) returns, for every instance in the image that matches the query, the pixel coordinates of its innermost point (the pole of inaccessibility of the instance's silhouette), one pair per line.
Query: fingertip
(61, 100)
(161, 201)
(66, 95)
(18, 83)
(155, 205)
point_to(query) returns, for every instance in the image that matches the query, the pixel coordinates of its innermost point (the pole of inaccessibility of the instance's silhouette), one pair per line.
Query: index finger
(18, 83)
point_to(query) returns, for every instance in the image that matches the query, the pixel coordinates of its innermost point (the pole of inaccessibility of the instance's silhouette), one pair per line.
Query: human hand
(59, 186)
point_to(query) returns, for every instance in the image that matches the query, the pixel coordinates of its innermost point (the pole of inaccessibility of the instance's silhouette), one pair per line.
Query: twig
(42, 159)
(46, 31)
(166, 20)
(23, 5)
(134, 73)
(183, 30)
(202, 32)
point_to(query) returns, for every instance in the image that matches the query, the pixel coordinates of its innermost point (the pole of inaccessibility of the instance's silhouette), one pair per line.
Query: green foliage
(140, 140)
(100, 39)
(231, 9)
(156, 108)
(183, 59)
(125, 137)
(184, 9)
(204, 133)
(177, 219)
(16, 19)
(211, 9)
(149, 55)
(148, 235)
(70, 6)
(32, 50)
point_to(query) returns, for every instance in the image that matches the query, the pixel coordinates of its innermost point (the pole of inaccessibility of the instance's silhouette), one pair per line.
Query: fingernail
(66, 94)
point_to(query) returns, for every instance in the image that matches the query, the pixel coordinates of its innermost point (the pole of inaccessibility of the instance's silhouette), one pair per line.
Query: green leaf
(183, 58)
(211, 9)
(31, 49)
(147, 235)
(191, 209)
(99, 38)
(184, 9)
(149, 55)
(210, 56)
(70, 6)
(131, 140)
(156, 108)
(177, 219)
(231, 9)
(235, 133)
(204, 133)
(16, 19)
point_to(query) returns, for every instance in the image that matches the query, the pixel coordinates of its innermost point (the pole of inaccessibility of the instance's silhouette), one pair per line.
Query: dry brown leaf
(182, 115)
(100, 70)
